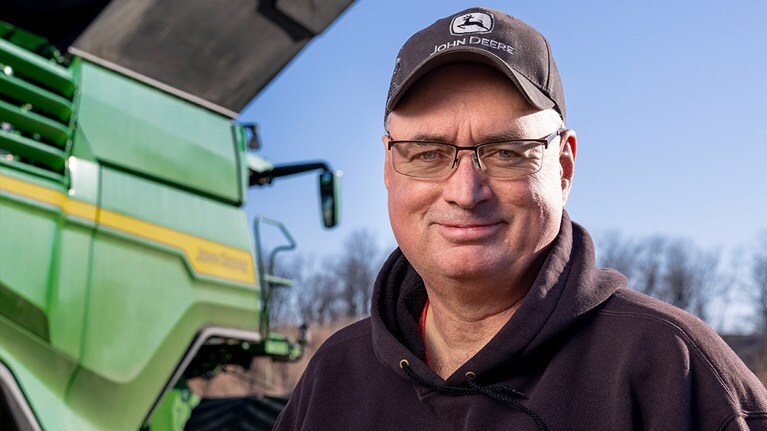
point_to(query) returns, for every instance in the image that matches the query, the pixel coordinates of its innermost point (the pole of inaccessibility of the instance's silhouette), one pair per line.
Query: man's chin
(470, 261)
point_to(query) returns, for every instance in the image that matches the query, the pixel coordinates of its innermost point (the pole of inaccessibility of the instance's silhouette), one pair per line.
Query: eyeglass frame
(546, 141)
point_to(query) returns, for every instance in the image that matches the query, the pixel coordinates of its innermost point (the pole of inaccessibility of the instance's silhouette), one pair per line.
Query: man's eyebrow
(430, 137)
(420, 137)
(495, 137)
(504, 136)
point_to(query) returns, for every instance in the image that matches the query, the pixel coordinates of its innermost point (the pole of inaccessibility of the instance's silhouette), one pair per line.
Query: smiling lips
(468, 232)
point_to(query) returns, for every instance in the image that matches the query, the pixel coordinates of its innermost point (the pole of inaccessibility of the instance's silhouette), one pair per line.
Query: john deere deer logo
(476, 22)
(467, 21)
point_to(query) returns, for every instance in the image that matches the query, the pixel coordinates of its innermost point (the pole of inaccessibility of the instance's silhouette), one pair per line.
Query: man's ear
(387, 162)
(568, 147)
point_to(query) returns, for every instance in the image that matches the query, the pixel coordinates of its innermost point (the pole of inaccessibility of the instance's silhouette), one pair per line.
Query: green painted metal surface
(37, 68)
(174, 208)
(10, 162)
(32, 228)
(138, 128)
(174, 410)
(122, 239)
(42, 374)
(46, 155)
(39, 98)
(30, 122)
(120, 249)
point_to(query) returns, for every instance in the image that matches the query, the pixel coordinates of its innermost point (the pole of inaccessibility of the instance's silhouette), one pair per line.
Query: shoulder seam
(689, 341)
(742, 414)
(349, 338)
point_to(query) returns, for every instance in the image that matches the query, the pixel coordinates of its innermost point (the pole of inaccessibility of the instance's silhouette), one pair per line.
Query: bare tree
(356, 270)
(338, 288)
(319, 302)
(619, 253)
(285, 301)
(673, 270)
(759, 278)
(650, 264)
(641, 261)
(315, 294)
(691, 278)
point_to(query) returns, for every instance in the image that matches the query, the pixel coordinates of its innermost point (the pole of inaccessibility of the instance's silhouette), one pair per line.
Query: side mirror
(251, 135)
(329, 196)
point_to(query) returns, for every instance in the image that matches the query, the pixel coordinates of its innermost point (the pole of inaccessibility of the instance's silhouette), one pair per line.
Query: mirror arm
(262, 178)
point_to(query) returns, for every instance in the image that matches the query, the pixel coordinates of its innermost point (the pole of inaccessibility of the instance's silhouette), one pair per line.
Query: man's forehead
(459, 76)
(444, 136)
(437, 128)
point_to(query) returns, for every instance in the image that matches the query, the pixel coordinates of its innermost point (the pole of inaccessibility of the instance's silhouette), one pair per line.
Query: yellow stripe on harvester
(206, 257)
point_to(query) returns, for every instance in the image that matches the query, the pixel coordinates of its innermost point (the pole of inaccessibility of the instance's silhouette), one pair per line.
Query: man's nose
(467, 185)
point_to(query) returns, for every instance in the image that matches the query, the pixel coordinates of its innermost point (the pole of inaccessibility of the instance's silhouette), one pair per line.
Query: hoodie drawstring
(496, 392)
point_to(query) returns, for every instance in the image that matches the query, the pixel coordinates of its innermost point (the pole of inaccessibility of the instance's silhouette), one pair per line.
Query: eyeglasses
(514, 158)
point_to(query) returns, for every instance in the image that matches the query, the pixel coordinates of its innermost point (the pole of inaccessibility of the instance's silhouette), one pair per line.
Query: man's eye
(503, 154)
(507, 154)
(428, 155)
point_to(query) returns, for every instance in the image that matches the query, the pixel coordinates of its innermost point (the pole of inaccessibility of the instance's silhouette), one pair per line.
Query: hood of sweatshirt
(567, 287)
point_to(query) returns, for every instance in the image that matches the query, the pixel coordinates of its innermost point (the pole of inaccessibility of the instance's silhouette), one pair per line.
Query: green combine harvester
(127, 263)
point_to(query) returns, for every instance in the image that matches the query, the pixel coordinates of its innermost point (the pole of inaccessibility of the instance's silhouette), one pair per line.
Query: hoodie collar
(567, 286)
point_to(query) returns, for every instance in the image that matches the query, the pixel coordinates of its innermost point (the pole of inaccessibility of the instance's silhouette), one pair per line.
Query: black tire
(235, 414)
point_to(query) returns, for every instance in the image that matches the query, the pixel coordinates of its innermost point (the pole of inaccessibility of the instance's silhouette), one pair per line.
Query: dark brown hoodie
(583, 352)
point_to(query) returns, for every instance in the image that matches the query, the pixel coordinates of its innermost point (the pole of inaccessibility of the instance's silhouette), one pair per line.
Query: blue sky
(667, 98)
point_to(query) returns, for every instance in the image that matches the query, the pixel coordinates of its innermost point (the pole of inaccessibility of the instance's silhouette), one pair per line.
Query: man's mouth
(468, 232)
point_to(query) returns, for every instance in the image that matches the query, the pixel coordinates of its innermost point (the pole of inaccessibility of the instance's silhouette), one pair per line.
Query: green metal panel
(145, 305)
(141, 129)
(25, 267)
(176, 209)
(29, 41)
(110, 405)
(41, 372)
(50, 157)
(128, 269)
(81, 148)
(242, 146)
(123, 403)
(37, 117)
(69, 289)
(37, 97)
(23, 312)
(32, 123)
(13, 163)
(70, 275)
(174, 410)
(44, 278)
(37, 68)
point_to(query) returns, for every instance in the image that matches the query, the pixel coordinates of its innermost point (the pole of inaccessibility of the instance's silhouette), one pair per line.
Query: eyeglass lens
(433, 160)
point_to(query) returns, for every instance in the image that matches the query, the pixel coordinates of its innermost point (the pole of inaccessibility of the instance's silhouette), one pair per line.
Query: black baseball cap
(486, 36)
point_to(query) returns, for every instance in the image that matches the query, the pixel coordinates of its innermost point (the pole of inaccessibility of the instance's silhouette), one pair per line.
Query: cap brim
(531, 93)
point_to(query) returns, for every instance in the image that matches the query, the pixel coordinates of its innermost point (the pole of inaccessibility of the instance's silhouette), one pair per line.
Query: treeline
(330, 288)
(705, 282)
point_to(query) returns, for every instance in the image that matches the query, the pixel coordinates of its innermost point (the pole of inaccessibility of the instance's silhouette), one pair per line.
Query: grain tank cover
(218, 54)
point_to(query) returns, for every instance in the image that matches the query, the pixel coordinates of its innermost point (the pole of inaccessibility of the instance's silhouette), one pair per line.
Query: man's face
(469, 225)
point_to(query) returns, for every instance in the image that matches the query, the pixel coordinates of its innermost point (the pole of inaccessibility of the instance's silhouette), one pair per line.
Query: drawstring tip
(519, 394)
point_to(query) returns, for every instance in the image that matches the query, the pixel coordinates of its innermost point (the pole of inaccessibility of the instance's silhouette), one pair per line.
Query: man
(491, 314)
